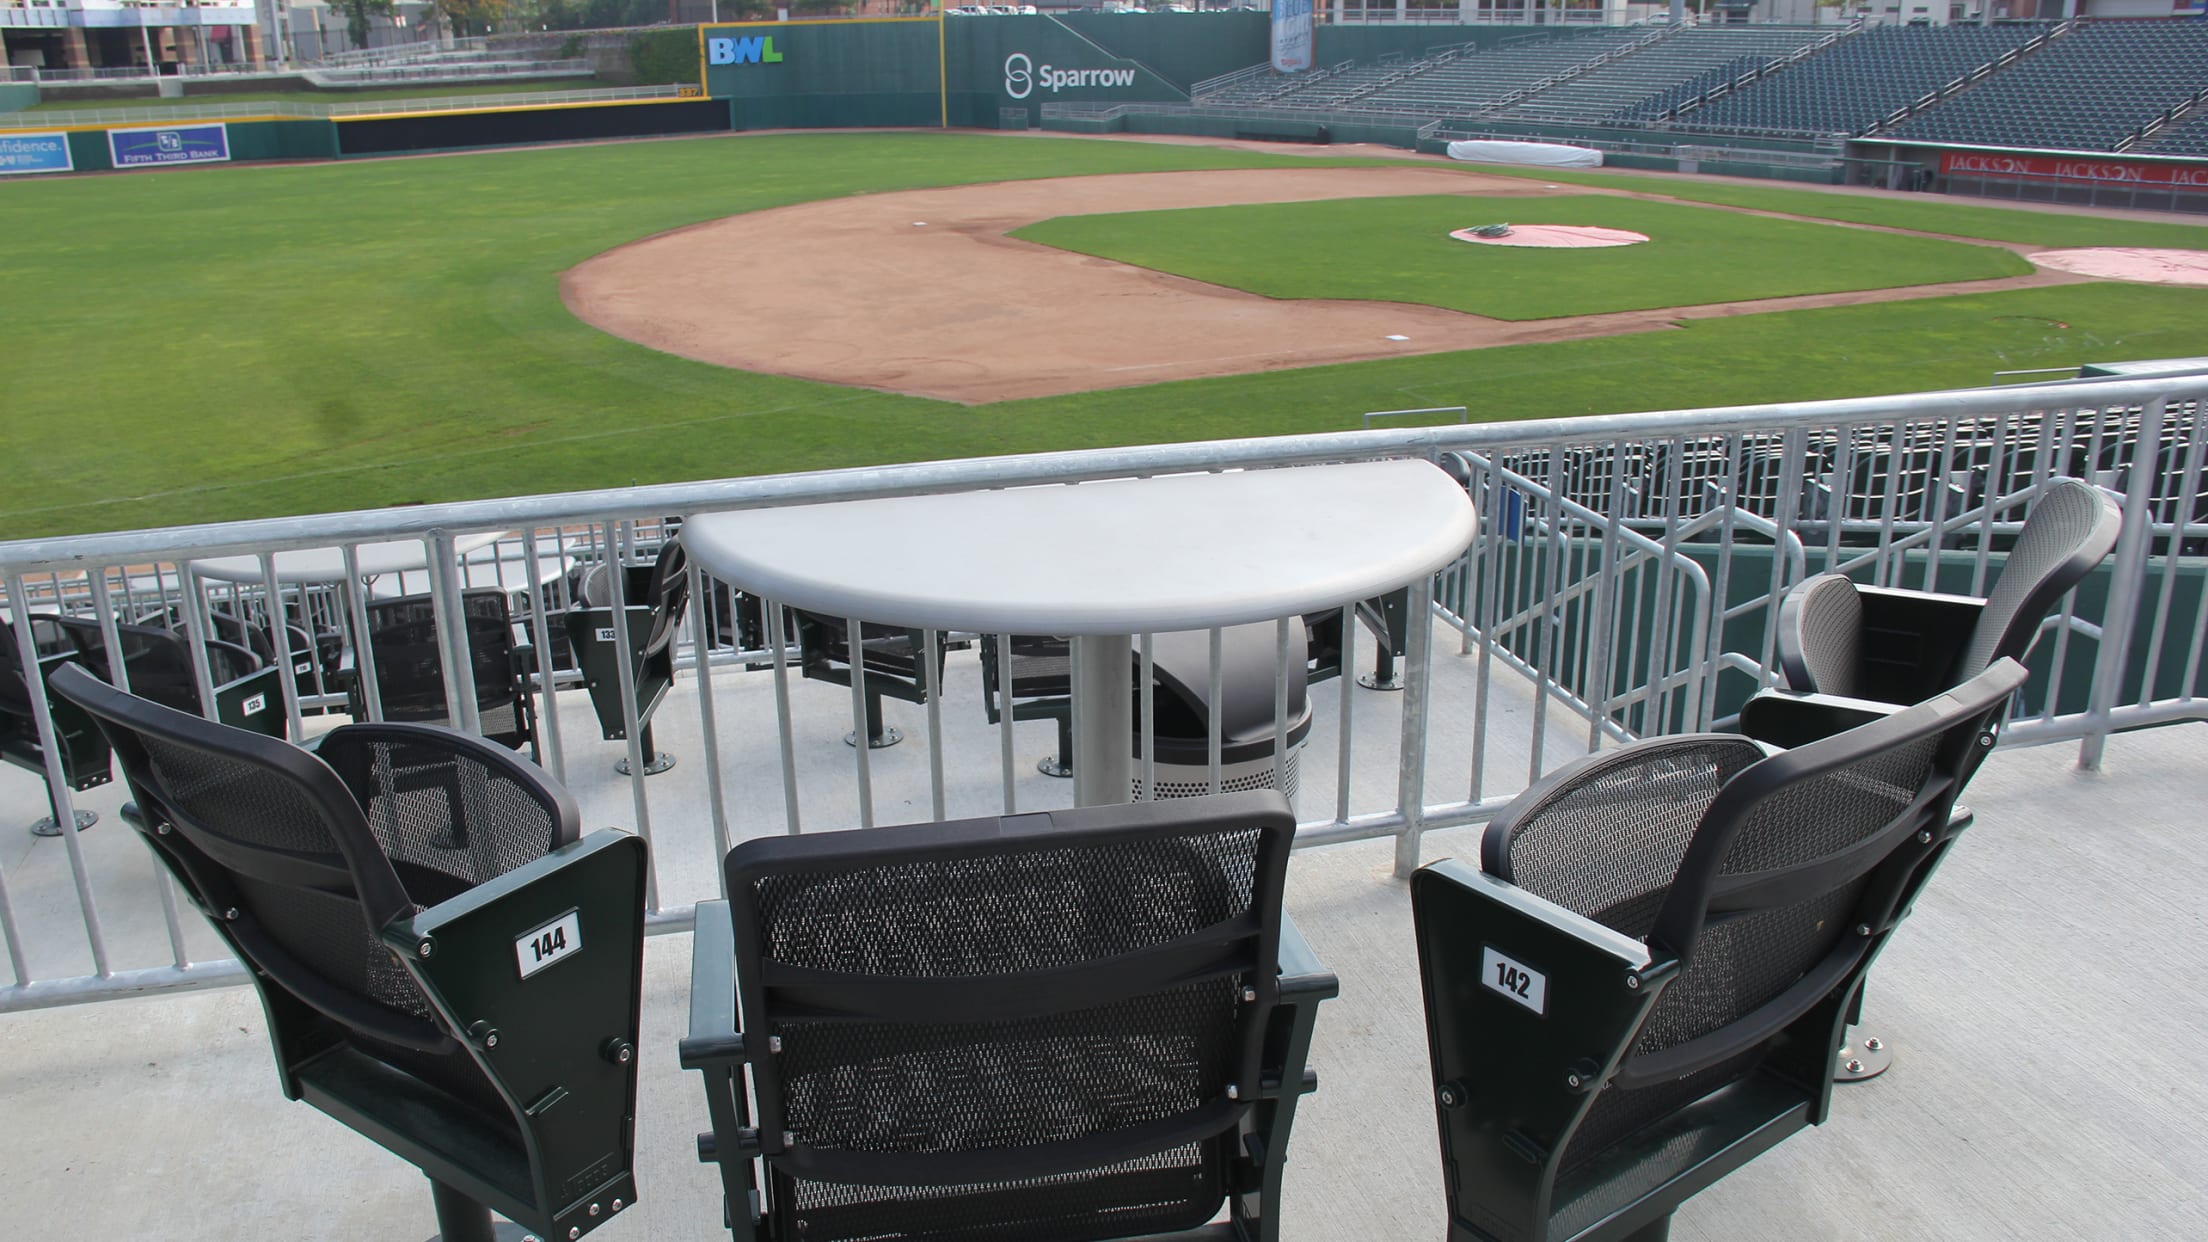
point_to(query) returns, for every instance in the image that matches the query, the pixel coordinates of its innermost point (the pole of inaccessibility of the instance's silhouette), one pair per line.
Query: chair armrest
(1529, 1009)
(1301, 974)
(713, 1037)
(1787, 719)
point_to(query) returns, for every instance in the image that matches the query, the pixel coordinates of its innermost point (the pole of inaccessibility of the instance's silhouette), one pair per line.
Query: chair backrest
(1008, 1024)
(2071, 527)
(1827, 619)
(157, 663)
(667, 594)
(410, 665)
(1769, 878)
(302, 858)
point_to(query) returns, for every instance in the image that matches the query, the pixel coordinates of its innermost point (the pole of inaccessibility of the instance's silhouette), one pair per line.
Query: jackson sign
(2065, 168)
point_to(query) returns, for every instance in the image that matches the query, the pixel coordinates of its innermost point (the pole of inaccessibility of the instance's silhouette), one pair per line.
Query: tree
(357, 14)
(474, 16)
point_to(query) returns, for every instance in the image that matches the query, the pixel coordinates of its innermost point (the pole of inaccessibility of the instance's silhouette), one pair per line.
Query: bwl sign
(2066, 168)
(179, 144)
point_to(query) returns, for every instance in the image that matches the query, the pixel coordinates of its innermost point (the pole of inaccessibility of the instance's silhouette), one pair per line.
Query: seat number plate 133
(1514, 979)
(556, 941)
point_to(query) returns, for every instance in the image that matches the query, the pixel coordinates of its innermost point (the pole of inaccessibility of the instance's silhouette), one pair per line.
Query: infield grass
(205, 344)
(1399, 250)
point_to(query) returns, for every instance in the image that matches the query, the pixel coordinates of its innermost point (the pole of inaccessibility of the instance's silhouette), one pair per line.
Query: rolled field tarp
(1541, 154)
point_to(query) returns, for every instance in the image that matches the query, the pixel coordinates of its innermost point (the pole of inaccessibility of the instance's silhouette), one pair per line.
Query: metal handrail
(1609, 575)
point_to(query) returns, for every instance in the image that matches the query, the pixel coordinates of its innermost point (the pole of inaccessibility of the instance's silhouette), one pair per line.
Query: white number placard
(605, 633)
(555, 941)
(252, 706)
(1514, 979)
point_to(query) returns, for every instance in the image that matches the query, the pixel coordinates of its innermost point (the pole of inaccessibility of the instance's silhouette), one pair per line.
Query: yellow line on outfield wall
(942, 68)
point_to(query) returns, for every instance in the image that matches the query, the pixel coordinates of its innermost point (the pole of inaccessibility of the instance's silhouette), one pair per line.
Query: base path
(921, 291)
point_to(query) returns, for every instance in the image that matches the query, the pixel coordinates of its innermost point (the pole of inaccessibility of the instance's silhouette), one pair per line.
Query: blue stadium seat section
(2095, 88)
(1858, 82)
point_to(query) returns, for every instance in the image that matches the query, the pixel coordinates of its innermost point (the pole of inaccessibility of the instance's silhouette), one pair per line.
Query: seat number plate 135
(556, 941)
(1514, 979)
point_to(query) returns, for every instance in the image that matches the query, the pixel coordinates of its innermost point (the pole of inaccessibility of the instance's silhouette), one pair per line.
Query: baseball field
(220, 343)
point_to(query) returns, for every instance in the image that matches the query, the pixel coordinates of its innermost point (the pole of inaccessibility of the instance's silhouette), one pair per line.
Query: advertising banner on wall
(35, 153)
(2068, 168)
(1291, 35)
(176, 144)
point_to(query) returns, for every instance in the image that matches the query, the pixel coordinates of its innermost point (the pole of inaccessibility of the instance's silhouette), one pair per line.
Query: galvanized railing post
(2126, 578)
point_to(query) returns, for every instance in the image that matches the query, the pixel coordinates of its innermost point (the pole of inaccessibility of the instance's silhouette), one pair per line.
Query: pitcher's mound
(1555, 236)
(2156, 267)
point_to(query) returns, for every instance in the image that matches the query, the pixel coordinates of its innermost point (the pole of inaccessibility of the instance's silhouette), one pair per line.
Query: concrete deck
(2042, 1003)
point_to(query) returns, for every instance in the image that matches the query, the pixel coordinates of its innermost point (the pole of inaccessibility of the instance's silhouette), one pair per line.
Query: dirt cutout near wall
(921, 291)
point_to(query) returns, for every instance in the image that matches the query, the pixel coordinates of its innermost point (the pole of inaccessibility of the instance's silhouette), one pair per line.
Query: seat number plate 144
(1516, 980)
(557, 940)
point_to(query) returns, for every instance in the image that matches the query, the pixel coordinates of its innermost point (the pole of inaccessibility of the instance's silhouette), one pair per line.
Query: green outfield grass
(336, 95)
(206, 344)
(1399, 250)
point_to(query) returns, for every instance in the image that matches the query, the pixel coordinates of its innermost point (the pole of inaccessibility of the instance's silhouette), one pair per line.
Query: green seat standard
(653, 599)
(1643, 986)
(445, 965)
(1072, 1025)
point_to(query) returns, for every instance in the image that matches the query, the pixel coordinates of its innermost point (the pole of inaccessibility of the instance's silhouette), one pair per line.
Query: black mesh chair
(83, 752)
(1071, 1025)
(157, 665)
(654, 596)
(444, 966)
(410, 677)
(1041, 689)
(1897, 646)
(1645, 985)
(1853, 653)
(891, 656)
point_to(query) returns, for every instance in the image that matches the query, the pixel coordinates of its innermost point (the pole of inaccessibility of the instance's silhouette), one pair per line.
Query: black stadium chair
(890, 655)
(1644, 985)
(1851, 654)
(1897, 646)
(410, 676)
(1041, 686)
(444, 967)
(84, 752)
(654, 596)
(1071, 1025)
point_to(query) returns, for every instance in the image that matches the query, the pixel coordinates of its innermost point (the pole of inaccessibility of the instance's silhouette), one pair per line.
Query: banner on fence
(1291, 35)
(175, 144)
(2069, 168)
(35, 153)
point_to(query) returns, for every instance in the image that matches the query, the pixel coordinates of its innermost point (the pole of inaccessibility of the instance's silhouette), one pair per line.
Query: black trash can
(1183, 670)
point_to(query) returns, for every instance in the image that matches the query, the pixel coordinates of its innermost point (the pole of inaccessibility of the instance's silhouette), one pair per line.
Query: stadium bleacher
(2092, 89)
(1607, 89)
(2188, 135)
(1852, 86)
(1482, 80)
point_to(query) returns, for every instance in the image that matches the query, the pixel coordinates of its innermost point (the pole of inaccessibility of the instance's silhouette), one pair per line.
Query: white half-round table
(311, 565)
(1101, 562)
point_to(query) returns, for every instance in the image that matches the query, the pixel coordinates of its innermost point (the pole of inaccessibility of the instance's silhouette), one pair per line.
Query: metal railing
(1624, 581)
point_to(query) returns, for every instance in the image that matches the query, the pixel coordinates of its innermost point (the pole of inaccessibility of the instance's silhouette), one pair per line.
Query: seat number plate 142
(557, 940)
(1516, 980)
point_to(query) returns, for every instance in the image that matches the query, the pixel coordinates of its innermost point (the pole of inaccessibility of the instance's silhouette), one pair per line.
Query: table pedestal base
(1103, 719)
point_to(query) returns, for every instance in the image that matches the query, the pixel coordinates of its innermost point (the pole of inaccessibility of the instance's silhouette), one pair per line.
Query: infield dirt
(921, 292)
